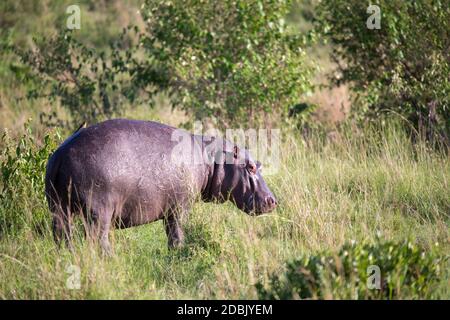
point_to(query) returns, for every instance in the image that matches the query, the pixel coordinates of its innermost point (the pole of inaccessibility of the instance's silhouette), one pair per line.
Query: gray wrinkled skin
(124, 173)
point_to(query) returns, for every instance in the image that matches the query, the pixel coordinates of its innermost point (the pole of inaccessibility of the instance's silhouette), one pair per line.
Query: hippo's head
(238, 178)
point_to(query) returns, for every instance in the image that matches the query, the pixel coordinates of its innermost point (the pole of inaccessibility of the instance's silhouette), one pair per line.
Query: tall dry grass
(368, 186)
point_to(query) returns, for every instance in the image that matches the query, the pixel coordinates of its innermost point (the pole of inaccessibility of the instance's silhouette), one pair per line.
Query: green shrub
(407, 271)
(87, 82)
(402, 67)
(22, 196)
(234, 61)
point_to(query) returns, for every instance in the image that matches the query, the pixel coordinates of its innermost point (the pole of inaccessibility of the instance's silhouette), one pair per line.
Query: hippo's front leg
(175, 235)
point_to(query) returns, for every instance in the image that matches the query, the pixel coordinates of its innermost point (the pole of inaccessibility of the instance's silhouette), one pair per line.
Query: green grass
(365, 188)
(368, 186)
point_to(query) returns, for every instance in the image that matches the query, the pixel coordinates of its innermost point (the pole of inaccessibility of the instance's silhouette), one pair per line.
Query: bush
(91, 85)
(407, 271)
(402, 67)
(22, 196)
(234, 61)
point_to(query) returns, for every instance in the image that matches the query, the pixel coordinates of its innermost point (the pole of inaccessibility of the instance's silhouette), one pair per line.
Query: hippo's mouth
(251, 208)
(255, 208)
(249, 205)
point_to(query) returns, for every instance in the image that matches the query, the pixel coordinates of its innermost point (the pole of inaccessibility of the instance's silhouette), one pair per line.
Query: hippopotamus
(123, 173)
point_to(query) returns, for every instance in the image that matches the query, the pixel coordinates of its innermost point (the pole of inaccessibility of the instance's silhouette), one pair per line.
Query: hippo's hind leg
(62, 227)
(99, 226)
(172, 224)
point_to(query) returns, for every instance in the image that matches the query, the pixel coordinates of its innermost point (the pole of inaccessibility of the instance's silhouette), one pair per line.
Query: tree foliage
(402, 67)
(233, 61)
(91, 85)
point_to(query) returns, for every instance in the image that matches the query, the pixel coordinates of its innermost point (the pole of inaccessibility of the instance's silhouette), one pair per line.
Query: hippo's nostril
(270, 201)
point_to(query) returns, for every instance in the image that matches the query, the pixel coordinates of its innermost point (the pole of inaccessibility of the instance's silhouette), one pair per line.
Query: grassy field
(363, 188)
(343, 184)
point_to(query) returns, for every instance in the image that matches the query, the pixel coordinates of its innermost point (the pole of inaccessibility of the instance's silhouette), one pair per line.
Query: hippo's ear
(235, 151)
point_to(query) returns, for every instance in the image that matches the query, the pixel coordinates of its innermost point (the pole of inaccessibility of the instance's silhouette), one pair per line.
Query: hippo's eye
(251, 167)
